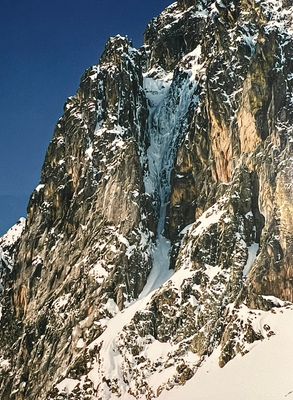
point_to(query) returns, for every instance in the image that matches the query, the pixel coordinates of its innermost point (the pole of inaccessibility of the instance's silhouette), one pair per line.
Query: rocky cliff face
(164, 210)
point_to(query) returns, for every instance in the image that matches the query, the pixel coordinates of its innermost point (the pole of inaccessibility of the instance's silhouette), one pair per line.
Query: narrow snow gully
(157, 176)
(169, 100)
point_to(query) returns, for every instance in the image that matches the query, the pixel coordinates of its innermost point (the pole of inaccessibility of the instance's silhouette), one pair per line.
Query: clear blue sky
(45, 46)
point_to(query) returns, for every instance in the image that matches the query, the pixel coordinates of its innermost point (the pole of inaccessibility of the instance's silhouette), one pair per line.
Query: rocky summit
(156, 257)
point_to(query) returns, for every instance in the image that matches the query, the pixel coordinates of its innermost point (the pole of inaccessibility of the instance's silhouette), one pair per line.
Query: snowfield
(265, 373)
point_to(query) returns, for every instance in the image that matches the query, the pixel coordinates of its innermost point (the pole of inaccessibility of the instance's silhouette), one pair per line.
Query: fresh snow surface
(67, 385)
(40, 187)
(265, 373)
(160, 272)
(252, 254)
(197, 69)
(89, 152)
(14, 233)
(6, 242)
(208, 218)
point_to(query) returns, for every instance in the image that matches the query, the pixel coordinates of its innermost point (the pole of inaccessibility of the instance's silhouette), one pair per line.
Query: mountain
(156, 257)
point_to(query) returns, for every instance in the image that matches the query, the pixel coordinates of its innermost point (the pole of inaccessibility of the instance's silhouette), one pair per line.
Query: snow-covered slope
(264, 373)
(7, 245)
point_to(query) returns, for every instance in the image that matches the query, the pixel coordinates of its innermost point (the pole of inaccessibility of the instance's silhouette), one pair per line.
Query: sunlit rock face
(161, 230)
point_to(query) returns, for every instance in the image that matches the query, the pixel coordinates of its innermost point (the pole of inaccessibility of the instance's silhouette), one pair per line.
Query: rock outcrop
(163, 219)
